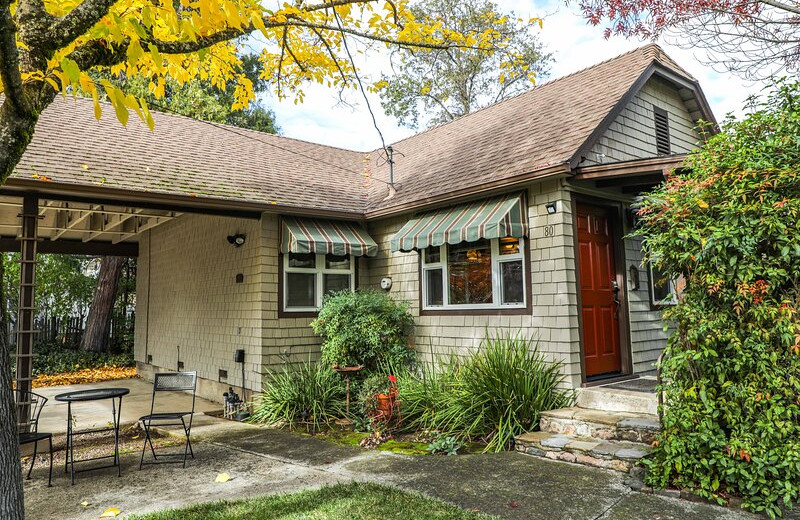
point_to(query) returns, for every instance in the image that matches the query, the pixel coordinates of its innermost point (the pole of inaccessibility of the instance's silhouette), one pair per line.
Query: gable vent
(662, 131)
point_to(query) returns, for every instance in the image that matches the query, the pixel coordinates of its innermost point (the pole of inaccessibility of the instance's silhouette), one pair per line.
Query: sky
(321, 118)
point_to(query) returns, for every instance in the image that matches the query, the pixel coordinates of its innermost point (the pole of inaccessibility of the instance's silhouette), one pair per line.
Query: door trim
(617, 228)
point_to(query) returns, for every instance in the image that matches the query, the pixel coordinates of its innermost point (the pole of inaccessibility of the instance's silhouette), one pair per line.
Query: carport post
(26, 310)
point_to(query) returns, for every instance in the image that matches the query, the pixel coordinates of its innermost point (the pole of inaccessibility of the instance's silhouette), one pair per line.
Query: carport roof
(195, 163)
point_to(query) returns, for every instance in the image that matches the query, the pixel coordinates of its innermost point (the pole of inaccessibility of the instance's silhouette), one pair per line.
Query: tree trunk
(12, 505)
(98, 323)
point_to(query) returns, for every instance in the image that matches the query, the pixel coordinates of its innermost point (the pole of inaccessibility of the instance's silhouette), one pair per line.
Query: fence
(68, 331)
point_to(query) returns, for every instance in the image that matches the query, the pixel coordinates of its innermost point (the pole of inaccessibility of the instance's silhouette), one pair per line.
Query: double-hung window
(307, 277)
(484, 274)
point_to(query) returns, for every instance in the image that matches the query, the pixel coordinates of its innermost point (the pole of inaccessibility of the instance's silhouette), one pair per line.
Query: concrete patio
(263, 461)
(93, 414)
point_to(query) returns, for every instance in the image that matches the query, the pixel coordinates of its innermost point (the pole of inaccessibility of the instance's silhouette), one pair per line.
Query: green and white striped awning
(338, 237)
(496, 217)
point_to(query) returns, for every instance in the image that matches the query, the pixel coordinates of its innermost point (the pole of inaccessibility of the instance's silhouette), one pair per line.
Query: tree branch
(71, 26)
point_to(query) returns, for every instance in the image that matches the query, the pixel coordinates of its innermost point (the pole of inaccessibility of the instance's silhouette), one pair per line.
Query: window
(663, 289)
(662, 131)
(307, 277)
(474, 275)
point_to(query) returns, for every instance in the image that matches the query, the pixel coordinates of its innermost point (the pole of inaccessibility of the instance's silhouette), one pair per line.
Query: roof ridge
(660, 56)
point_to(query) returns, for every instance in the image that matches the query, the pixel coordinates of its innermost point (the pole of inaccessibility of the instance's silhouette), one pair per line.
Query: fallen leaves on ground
(222, 477)
(110, 512)
(87, 375)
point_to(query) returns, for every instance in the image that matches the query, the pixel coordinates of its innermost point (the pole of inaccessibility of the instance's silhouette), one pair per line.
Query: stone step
(601, 425)
(616, 455)
(617, 400)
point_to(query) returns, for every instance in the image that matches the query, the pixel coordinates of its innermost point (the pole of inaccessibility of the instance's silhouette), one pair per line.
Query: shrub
(307, 393)
(729, 226)
(364, 328)
(497, 393)
(443, 445)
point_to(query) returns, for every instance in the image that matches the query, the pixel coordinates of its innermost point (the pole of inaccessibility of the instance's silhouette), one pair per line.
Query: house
(511, 218)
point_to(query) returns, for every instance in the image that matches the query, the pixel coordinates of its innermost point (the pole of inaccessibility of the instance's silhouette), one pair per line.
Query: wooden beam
(151, 223)
(106, 229)
(71, 225)
(74, 247)
(652, 178)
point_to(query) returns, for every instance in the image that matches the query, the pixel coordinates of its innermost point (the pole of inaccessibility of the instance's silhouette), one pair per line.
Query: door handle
(617, 304)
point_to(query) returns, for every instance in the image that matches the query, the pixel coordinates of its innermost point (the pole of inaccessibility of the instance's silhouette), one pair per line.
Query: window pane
(304, 260)
(509, 246)
(300, 290)
(433, 255)
(434, 287)
(470, 266)
(337, 262)
(336, 282)
(661, 285)
(512, 282)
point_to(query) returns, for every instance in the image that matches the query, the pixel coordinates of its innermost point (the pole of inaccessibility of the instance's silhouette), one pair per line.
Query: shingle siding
(632, 134)
(187, 297)
(648, 337)
(553, 321)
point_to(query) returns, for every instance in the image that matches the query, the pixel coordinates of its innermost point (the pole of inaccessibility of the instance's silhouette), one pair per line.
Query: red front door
(600, 308)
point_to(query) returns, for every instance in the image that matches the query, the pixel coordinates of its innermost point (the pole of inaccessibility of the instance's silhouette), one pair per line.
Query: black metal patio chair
(169, 382)
(28, 427)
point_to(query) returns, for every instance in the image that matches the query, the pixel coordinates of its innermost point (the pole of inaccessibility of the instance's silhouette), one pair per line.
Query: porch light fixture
(551, 208)
(237, 240)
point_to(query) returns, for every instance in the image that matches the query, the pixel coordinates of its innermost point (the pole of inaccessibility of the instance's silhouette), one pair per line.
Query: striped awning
(338, 237)
(496, 217)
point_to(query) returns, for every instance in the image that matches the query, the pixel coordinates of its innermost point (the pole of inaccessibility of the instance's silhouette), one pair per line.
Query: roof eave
(185, 203)
(557, 170)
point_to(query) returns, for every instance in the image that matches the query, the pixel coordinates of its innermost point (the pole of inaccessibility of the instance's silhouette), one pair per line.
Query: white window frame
(671, 298)
(497, 289)
(319, 273)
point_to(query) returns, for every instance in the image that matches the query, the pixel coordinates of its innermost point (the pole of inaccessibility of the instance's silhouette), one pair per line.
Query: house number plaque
(550, 231)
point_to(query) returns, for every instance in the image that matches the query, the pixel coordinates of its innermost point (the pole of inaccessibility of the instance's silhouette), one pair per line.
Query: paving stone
(532, 437)
(556, 441)
(631, 453)
(605, 448)
(598, 417)
(639, 423)
(561, 413)
(582, 445)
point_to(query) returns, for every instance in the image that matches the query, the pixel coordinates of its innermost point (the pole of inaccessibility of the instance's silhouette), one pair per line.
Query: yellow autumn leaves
(303, 42)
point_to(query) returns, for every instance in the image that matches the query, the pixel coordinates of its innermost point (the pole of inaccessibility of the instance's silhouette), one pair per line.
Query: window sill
(492, 311)
(297, 314)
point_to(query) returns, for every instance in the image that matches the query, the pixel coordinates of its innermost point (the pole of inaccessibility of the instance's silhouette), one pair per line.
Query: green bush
(443, 445)
(364, 328)
(306, 393)
(497, 393)
(730, 225)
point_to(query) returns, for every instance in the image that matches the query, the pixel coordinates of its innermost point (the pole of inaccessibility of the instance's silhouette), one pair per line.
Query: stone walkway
(509, 485)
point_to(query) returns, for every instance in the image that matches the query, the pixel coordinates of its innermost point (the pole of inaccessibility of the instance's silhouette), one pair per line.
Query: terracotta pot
(384, 403)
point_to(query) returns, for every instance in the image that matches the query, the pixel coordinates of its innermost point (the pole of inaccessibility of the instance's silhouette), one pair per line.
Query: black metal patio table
(82, 396)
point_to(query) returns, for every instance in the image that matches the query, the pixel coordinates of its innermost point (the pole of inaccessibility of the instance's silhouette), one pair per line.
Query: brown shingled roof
(521, 136)
(186, 157)
(526, 134)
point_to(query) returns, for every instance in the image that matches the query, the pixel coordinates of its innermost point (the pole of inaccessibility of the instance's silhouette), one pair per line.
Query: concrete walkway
(93, 414)
(261, 461)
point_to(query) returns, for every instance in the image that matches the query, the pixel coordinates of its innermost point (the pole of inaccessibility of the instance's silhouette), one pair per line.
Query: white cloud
(575, 45)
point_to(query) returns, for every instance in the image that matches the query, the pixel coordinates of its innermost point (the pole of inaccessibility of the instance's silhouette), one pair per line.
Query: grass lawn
(354, 501)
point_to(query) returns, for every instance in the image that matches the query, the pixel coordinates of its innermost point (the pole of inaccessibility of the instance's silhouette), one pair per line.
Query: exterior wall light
(551, 208)
(237, 240)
